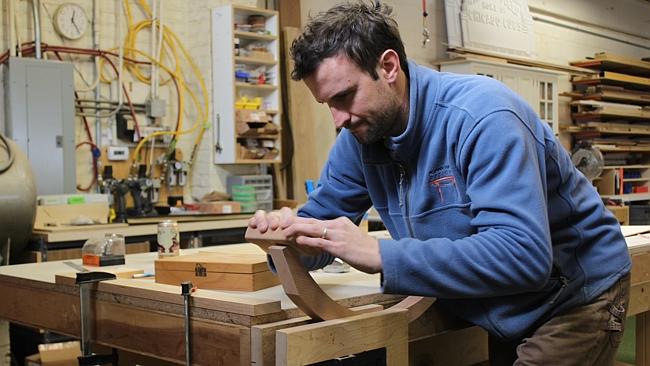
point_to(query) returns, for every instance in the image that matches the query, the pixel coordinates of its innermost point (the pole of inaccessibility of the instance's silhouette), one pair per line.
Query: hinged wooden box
(217, 271)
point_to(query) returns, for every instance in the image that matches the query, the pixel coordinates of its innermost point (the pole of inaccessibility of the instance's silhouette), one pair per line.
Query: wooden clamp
(301, 287)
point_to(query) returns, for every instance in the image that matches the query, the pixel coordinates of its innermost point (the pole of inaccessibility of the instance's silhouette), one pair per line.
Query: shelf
(254, 61)
(249, 10)
(255, 86)
(609, 93)
(634, 180)
(604, 61)
(614, 148)
(610, 128)
(592, 109)
(629, 197)
(613, 78)
(260, 136)
(255, 36)
(257, 161)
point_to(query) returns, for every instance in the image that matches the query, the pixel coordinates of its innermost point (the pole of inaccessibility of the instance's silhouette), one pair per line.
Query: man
(486, 210)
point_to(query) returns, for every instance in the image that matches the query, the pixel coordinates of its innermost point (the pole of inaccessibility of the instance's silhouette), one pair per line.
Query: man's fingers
(287, 216)
(306, 227)
(259, 221)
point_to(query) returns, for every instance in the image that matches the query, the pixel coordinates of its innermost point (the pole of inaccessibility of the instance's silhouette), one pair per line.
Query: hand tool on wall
(426, 36)
(85, 281)
(186, 291)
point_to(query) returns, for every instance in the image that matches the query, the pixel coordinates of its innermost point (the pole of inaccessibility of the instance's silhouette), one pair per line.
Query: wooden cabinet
(537, 86)
(246, 85)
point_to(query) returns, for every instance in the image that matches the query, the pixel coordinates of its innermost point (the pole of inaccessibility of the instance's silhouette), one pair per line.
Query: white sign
(497, 26)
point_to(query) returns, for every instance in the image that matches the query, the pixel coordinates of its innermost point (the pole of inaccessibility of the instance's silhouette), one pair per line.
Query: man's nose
(341, 117)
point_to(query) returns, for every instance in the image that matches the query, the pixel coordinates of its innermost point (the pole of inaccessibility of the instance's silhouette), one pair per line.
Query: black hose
(10, 159)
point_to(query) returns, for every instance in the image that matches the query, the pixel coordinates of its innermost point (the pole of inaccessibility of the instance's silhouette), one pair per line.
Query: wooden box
(217, 271)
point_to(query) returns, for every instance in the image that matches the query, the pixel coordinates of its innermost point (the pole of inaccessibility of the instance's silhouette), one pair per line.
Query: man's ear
(389, 66)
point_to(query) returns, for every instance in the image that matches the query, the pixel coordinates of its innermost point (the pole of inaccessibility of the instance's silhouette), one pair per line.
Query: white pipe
(36, 7)
(12, 28)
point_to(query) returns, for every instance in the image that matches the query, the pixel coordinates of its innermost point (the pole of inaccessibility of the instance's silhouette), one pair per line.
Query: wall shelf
(253, 55)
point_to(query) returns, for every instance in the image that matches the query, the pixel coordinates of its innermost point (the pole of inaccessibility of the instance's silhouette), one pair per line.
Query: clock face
(70, 21)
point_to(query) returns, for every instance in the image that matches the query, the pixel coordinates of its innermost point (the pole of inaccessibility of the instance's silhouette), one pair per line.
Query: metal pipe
(36, 6)
(96, 76)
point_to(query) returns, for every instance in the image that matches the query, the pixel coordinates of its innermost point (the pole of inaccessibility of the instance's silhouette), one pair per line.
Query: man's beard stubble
(382, 123)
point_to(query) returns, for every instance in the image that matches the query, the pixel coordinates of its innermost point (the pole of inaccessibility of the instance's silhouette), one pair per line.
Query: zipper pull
(401, 185)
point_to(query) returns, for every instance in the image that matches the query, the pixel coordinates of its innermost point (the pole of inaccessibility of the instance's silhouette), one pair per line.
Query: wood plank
(522, 61)
(50, 216)
(69, 278)
(614, 78)
(326, 340)
(616, 128)
(313, 129)
(263, 335)
(138, 330)
(617, 63)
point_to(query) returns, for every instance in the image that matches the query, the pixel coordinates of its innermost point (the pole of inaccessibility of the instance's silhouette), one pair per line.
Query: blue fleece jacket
(486, 209)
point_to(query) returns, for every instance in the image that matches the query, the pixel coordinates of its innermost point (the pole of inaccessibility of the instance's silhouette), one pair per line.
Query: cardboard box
(220, 207)
(217, 271)
(55, 354)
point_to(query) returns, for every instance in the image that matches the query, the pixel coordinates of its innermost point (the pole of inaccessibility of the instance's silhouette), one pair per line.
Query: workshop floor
(626, 349)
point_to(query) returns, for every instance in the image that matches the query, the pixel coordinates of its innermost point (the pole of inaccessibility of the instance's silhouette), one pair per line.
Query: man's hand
(339, 237)
(264, 221)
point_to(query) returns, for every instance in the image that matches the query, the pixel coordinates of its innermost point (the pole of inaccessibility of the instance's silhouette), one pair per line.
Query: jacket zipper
(565, 283)
(403, 197)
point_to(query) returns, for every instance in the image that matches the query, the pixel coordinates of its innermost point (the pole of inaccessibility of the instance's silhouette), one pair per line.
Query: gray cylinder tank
(17, 197)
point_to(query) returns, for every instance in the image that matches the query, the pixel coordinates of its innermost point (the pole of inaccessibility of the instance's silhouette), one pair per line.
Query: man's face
(369, 108)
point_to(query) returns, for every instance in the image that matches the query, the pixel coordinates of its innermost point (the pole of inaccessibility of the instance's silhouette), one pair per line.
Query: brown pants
(587, 335)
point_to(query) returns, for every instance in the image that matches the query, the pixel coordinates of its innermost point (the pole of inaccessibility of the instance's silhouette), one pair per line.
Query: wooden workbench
(232, 328)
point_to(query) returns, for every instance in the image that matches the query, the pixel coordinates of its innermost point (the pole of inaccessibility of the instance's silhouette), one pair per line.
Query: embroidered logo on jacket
(443, 181)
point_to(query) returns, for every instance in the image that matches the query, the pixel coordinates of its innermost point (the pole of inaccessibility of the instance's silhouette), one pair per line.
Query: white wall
(554, 43)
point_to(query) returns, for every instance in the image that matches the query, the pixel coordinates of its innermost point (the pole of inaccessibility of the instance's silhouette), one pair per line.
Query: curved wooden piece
(301, 287)
(304, 291)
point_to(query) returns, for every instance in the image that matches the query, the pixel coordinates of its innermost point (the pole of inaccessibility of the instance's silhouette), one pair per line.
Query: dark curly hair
(362, 30)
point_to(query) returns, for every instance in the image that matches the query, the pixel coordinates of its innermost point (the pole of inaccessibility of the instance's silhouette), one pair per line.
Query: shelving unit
(245, 49)
(611, 110)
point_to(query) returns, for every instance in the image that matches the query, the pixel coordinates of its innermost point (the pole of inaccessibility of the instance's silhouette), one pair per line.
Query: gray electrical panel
(39, 117)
